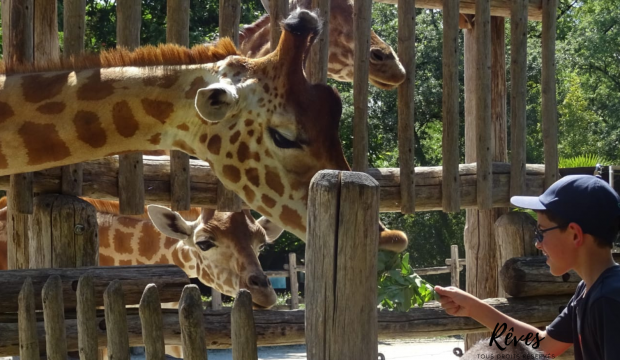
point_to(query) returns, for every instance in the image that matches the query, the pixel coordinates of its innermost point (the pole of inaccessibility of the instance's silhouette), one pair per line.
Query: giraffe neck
(130, 241)
(59, 118)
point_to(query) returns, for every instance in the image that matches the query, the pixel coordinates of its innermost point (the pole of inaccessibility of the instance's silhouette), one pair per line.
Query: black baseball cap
(583, 199)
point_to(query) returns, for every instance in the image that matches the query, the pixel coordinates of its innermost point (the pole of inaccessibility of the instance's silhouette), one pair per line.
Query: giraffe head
(272, 149)
(385, 70)
(225, 247)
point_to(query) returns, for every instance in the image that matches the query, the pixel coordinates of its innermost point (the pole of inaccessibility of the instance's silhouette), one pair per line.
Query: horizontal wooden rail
(169, 279)
(287, 327)
(101, 182)
(498, 7)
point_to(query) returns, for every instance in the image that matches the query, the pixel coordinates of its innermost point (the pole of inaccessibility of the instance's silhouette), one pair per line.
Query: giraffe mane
(149, 55)
(113, 208)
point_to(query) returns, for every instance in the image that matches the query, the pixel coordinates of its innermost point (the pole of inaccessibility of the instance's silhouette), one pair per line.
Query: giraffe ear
(216, 101)
(169, 222)
(266, 5)
(272, 230)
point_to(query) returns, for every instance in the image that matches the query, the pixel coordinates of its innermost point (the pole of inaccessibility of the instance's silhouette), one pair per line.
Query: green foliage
(399, 287)
(583, 161)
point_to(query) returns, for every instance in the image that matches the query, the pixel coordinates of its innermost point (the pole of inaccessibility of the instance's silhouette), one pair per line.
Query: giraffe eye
(282, 141)
(206, 245)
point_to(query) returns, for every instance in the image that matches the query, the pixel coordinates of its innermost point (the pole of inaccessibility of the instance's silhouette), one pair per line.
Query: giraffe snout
(258, 281)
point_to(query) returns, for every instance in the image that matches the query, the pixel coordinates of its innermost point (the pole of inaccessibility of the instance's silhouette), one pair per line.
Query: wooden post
(341, 255)
(518, 96)
(549, 102)
(479, 234)
(64, 232)
(450, 144)
(177, 32)
(116, 322)
(230, 13)
(316, 66)
(292, 271)
(455, 267)
(130, 172)
(86, 318)
(28, 337)
(362, 15)
(152, 325)
(216, 299)
(18, 47)
(45, 31)
(192, 325)
(278, 10)
(242, 329)
(54, 319)
(484, 137)
(514, 232)
(406, 107)
(74, 15)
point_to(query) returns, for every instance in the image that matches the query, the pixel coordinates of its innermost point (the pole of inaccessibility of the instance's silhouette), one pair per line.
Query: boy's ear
(577, 233)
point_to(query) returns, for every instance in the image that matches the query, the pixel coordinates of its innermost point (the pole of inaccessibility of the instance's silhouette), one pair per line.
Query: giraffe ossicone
(266, 133)
(385, 70)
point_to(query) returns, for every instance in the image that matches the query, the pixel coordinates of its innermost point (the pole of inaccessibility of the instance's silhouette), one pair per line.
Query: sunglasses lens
(538, 235)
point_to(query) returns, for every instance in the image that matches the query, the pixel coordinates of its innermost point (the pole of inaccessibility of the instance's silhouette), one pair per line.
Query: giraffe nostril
(376, 55)
(258, 281)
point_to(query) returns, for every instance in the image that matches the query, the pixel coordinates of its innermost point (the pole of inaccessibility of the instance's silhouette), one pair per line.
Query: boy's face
(557, 245)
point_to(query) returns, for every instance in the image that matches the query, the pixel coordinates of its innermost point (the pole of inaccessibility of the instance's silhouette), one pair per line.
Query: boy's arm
(459, 303)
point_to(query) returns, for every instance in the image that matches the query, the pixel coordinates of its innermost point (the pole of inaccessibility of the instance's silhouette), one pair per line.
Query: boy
(578, 222)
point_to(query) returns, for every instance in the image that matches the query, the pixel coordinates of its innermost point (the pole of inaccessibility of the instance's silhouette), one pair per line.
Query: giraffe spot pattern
(89, 129)
(235, 137)
(185, 255)
(95, 89)
(169, 242)
(182, 145)
(229, 155)
(272, 178)
(266, 88)
(248, 122)
(104, 237)
(183, 127)
(177, 260)
(105, 260)
(214, 145)
(49, 108)
(203, 138)
(6, 112)
(37, 87)
(125, 262)
(124, 120)
(231, 173)
(252, 175)
(120, 246)
(162, 260)
(198, 83)
(250, 195)
(155, 139)
(158, 109)
(164, 82)
(261, 209)
(3, 161)
(243, 152)
(268, 201)
(43, 143)
(291, 217)
(148, 242)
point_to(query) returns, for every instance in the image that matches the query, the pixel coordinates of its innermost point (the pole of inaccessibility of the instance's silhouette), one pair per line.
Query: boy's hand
(456, 302)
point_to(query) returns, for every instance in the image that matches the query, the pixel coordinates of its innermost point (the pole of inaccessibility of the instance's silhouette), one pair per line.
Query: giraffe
(218, 248)
(385, 70)
(262, 127)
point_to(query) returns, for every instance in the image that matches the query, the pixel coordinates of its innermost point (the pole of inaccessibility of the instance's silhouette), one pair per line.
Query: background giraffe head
(225, 247)
(385, 70)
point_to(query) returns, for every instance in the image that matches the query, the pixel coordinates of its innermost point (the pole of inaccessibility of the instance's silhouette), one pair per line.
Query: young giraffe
(219, 248)
(263, 128)
(385, 70)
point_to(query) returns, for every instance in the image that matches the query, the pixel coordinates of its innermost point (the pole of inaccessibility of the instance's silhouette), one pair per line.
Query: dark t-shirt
(592, 322)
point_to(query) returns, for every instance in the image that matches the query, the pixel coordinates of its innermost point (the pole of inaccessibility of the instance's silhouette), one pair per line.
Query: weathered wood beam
(169, 279)
(101, 182)
(287, 327)
(498, 7)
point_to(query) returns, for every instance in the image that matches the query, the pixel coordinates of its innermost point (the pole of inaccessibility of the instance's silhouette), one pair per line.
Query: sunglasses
(539, 234)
